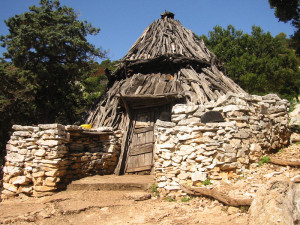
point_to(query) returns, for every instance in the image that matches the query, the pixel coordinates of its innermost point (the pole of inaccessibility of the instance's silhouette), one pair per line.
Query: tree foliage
(289, 10)
(50, 42)
(258, 62)
(95, 84)
(50, 60)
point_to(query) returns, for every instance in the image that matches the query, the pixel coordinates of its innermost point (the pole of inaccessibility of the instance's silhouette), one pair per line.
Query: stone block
(179, 108)
(12, 171)
(50, 143)
(10, 187)
(11, 148)
(51, 126)
(160, 123)
(51, 181)
(20, 180)
(15, 157)
(177, 118)
(40, 152)
(44, 188)
(191, 108)
(22, 133)
(184, 137)
(199, 176)
(25, 189)
(183, 175)
(242, 134)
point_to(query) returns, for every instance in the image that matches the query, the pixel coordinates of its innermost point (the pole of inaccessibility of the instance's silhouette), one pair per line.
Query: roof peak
(167, 14)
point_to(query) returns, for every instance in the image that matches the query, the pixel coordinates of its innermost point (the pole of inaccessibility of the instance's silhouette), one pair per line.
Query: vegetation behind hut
(258, 62)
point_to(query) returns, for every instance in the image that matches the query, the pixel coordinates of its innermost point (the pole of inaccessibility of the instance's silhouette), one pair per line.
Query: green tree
(289, 10)
(95, 84)
(50, 42)
(258, 62)
(17, 89)
(50, 58)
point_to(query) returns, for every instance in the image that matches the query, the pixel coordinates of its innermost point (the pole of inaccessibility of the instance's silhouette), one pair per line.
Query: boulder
(276, 203)
(295, 116)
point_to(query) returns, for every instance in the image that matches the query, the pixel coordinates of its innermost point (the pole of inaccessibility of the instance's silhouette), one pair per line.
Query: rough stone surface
(47, 157)
(277, 203)
(204, 151)
(295, 116)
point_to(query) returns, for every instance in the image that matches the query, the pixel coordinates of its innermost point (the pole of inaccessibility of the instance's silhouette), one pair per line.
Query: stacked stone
(95, 152)
(39, 162)
(188, 151)
(35, 159)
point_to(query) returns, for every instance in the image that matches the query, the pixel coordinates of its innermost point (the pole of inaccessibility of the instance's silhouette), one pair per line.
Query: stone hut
(168, 110)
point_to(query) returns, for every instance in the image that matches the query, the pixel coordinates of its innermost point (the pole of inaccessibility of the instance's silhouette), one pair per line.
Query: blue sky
(123, 21)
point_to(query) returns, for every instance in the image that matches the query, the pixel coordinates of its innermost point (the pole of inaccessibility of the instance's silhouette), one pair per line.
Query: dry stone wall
(190, 152)
(45, 158)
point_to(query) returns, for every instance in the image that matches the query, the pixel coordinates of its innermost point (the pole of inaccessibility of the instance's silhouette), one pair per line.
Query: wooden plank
(137, 150)
(159, 88)
(149, 158)
(141, 168)
(143, 130)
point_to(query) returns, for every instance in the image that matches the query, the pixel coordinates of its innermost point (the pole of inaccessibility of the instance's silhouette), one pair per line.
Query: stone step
(112, 183)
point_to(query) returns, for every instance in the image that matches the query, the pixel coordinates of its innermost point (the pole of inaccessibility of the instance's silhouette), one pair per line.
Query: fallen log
(285, 162)
(217, 193)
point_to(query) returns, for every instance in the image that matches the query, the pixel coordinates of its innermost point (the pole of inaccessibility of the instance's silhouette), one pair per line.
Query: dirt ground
(140, 207)
(116, 207)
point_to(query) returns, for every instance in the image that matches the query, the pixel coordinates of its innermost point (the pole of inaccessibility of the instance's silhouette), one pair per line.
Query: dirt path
(115, 207)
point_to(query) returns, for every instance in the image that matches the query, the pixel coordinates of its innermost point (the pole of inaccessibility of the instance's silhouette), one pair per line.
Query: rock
(50, 143)
(177, 118)
(12, 171)
(295, 116)
(183, 175)
(7, 194)
(10, 187)
(271, 97)
(276, 203)
(44, 188)
(199, 176)
(25, 189)
(161, 123)
(232, 210)
(179, 108)
(15, 157)
(230, 108)
(22, 133)
(190, 121)
(241, 134)
(40, 152)
(51, 126)
(167, 145)
(296, 179)
(295, 137)
(138, 196)
(191, 108)
(184, 137)
(21, 180)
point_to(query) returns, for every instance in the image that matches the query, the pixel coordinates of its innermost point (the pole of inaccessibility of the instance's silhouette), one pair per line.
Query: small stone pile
(42, 159)
(189, 151)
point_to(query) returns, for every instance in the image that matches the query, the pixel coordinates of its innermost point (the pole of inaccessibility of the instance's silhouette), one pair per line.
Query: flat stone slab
(112, 182)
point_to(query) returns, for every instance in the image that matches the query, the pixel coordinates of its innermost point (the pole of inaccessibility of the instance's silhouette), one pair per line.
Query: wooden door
(140, 151)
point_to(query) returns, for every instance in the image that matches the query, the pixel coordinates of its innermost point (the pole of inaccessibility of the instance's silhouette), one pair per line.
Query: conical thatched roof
(167, 64)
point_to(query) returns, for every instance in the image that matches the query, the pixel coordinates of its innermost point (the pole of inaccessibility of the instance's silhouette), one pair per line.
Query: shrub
(263, 160)
(206, 182)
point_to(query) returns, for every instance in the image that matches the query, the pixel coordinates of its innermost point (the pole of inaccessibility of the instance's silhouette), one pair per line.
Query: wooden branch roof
(168, 63)
(168, 36)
